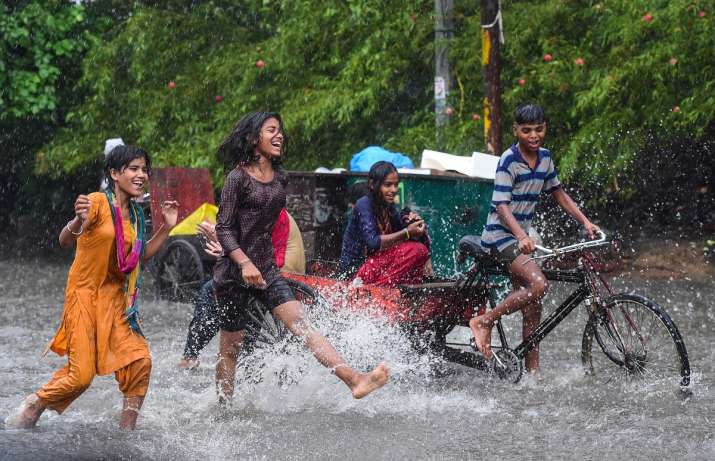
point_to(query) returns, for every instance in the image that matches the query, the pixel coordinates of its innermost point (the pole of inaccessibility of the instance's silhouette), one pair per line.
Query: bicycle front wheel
(630, 335)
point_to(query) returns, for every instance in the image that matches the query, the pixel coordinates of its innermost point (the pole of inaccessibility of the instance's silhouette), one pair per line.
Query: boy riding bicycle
(524, 171)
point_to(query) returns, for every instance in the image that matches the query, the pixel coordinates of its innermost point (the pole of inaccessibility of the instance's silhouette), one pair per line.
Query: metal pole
(491, 60)
(443, 32)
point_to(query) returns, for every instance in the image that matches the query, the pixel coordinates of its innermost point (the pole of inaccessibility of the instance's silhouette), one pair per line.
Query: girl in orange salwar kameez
(100, 331)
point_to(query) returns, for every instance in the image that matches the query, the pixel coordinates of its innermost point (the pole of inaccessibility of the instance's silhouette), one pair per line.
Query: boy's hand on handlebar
(251, 275)
(591, 229)
(526, 245)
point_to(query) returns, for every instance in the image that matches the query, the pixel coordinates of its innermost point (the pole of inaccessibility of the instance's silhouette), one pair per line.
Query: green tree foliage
(37, 41)
(348, 74)
(41, 45)
(344, 76)
(625, 76)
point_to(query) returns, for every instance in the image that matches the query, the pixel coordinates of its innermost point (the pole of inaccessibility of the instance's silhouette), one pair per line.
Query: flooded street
(291, 408)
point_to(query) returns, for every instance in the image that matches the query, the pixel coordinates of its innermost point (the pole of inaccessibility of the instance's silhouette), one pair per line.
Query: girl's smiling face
(133, 178)
(270, 142)
(388, 188)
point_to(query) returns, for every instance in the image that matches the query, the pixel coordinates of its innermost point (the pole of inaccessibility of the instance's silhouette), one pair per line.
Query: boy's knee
(539, 287)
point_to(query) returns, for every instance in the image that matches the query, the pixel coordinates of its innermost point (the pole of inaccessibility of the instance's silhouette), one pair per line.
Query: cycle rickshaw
(625, 334)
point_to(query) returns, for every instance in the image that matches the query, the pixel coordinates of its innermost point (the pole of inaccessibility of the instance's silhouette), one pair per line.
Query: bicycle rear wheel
(632, 336)
(264, 330)
(266, 334)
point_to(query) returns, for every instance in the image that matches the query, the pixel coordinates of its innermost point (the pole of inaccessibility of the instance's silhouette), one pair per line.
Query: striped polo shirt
(517, 185)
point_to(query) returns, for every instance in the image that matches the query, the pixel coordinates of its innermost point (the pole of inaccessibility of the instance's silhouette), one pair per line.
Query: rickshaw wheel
(510, 368)
(266, 331)
(180, 272)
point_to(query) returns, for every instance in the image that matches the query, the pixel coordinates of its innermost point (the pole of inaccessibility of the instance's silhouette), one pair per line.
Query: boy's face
(530, 136)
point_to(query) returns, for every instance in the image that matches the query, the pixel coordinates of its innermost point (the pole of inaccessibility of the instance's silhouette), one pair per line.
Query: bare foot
(27, 415)
(371, 381)
(188, 364)
(482, 332)
(130, 412)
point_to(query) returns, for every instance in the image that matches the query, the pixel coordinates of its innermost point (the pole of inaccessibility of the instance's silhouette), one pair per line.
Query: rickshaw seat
(470, 246)
(322, 268)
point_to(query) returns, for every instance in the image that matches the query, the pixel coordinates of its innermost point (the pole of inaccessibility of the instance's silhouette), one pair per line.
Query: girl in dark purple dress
(252, 198)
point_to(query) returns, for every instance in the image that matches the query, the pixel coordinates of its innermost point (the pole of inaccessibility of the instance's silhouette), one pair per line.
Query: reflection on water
(288, 407)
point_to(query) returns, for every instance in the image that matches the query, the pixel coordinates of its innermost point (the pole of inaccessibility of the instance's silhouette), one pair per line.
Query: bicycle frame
(584, 275)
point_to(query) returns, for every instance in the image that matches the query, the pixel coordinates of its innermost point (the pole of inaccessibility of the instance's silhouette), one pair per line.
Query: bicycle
(634, 333)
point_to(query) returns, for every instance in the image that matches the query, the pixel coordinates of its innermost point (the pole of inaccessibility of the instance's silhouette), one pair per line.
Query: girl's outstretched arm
(567, 203)
(170, 212)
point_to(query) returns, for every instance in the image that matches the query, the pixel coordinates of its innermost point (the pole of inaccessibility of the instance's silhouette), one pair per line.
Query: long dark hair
(239, 147)
(378, 172)
(120, 157)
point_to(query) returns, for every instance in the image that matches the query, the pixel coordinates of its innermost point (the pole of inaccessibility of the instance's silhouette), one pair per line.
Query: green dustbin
(452, 206)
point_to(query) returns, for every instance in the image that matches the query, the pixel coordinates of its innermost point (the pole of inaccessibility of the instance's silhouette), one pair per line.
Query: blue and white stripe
(520, 187)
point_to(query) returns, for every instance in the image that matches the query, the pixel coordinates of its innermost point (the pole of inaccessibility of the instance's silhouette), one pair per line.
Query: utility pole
(492, 37)
(443, 33)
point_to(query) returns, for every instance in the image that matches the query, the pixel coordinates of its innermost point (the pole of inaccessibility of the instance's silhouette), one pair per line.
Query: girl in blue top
(379, 246)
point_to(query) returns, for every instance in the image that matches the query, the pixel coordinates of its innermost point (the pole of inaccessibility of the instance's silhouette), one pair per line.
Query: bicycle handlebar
(553, 252)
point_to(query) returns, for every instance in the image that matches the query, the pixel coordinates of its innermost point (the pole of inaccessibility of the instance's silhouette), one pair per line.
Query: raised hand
(170, 212)
(81, 207)
(208, 230)
(213, 248)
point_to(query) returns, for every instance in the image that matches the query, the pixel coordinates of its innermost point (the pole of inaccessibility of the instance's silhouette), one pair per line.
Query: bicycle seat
(470, 246)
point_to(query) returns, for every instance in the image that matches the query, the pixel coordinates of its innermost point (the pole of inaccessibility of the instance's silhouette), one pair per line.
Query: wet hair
(378, 172)
(357, 191)
(120, 157)
(529, 113)
(239, 147)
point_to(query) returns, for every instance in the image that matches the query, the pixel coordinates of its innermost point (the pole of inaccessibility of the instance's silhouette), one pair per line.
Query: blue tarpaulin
(363, 160)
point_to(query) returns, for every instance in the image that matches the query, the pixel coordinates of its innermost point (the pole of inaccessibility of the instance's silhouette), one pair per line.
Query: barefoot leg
(28, 413)
(530, 286)
(482, 331)
(532, 317)
(229, 349)
(293, 316)
(130, 412)
(363, 384)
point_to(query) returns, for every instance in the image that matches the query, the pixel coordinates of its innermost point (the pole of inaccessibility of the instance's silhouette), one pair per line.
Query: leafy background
(628, 91)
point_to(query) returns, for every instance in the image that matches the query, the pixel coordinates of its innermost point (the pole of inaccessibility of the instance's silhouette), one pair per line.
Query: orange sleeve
(96, 201)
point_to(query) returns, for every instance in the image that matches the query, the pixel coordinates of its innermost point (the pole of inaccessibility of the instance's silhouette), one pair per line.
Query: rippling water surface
(288, 407)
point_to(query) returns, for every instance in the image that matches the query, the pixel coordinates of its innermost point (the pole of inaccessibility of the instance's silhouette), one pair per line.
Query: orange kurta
(94, 333)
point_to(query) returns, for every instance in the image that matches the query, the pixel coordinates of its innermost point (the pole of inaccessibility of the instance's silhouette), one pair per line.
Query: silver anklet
(335, 368)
